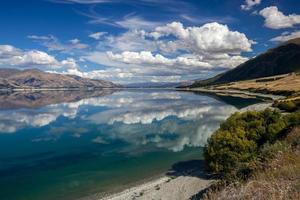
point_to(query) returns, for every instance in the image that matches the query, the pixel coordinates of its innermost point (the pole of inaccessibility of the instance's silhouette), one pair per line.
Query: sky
(131, 41)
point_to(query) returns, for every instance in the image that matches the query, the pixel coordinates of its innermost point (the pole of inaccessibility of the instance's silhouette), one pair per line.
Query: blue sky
(142, 40)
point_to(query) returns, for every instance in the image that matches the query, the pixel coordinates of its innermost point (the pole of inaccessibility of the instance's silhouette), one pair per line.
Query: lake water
(67, 145)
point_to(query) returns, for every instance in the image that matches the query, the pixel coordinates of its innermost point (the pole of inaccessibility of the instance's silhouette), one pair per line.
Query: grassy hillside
(282, 84)
(280, 60)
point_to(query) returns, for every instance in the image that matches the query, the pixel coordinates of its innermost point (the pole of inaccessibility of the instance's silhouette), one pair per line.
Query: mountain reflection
(145, 120)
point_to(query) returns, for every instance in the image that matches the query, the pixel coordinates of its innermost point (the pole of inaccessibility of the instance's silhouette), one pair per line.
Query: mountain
(34, 78)
(282, 59)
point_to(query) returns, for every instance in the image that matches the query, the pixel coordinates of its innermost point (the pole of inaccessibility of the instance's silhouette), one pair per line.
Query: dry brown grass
(275, 178)
(286, 83)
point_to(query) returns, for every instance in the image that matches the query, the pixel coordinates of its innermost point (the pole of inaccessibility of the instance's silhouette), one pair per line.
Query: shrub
(239, 138)
(288, 106)
(293, 118)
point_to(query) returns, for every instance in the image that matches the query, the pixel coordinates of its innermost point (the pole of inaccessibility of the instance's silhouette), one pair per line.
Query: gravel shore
(165, 188)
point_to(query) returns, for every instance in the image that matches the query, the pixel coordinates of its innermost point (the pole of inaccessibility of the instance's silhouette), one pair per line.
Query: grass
(282, 85)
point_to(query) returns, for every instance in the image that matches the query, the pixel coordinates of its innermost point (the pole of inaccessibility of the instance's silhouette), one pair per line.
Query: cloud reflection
(144, 120)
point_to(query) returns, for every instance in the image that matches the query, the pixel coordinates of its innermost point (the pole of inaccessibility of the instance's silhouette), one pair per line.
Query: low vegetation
(257, 155)
(238, 141)
(288, 106)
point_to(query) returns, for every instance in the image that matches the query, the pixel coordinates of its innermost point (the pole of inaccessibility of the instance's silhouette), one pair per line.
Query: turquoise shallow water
(95, 144)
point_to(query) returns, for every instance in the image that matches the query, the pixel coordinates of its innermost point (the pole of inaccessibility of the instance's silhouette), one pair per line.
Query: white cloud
(33, 57)
(132, 40)
(136, 22)
(11, 56)
(53, 44)
(249, 4)
(207, 47)
(226, 61)
(146, 57)
(209, 38)
(275, 19)
(170, 52)
(97, 35)
(286, 36)
(7, 51)
(108, 74)
(69, 63)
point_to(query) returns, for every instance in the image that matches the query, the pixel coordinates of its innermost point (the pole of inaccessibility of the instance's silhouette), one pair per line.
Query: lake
(70, 144)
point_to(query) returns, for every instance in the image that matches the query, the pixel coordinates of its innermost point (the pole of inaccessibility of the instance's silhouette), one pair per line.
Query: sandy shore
(165, 188)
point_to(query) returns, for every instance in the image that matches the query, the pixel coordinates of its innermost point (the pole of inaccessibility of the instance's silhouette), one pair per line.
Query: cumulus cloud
(33, 57)
(11, 56)
(69, 63)
(7, 51)
(100, 74)
(209, 38)
(169, 52)
(209, 46)
(249, 4)
(275, 19)
(146, 57)
(286, 36)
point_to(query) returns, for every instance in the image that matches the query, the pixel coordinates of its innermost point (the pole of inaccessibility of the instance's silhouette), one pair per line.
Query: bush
(288, 106)
(293, 118)
(239, 138)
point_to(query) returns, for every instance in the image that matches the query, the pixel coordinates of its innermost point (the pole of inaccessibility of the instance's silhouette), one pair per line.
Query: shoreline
(178, 188)
(182, 182)
(233, 92)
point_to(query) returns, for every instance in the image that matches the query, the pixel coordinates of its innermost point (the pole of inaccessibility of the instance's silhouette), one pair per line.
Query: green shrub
(239, 138)
(288, 106)
(293, 118)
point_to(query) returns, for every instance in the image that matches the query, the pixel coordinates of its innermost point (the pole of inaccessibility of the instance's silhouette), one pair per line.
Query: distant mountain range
(280, 60)
(37, 79)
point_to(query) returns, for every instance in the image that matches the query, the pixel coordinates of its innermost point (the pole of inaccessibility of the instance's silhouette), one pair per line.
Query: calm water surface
(67, 145)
